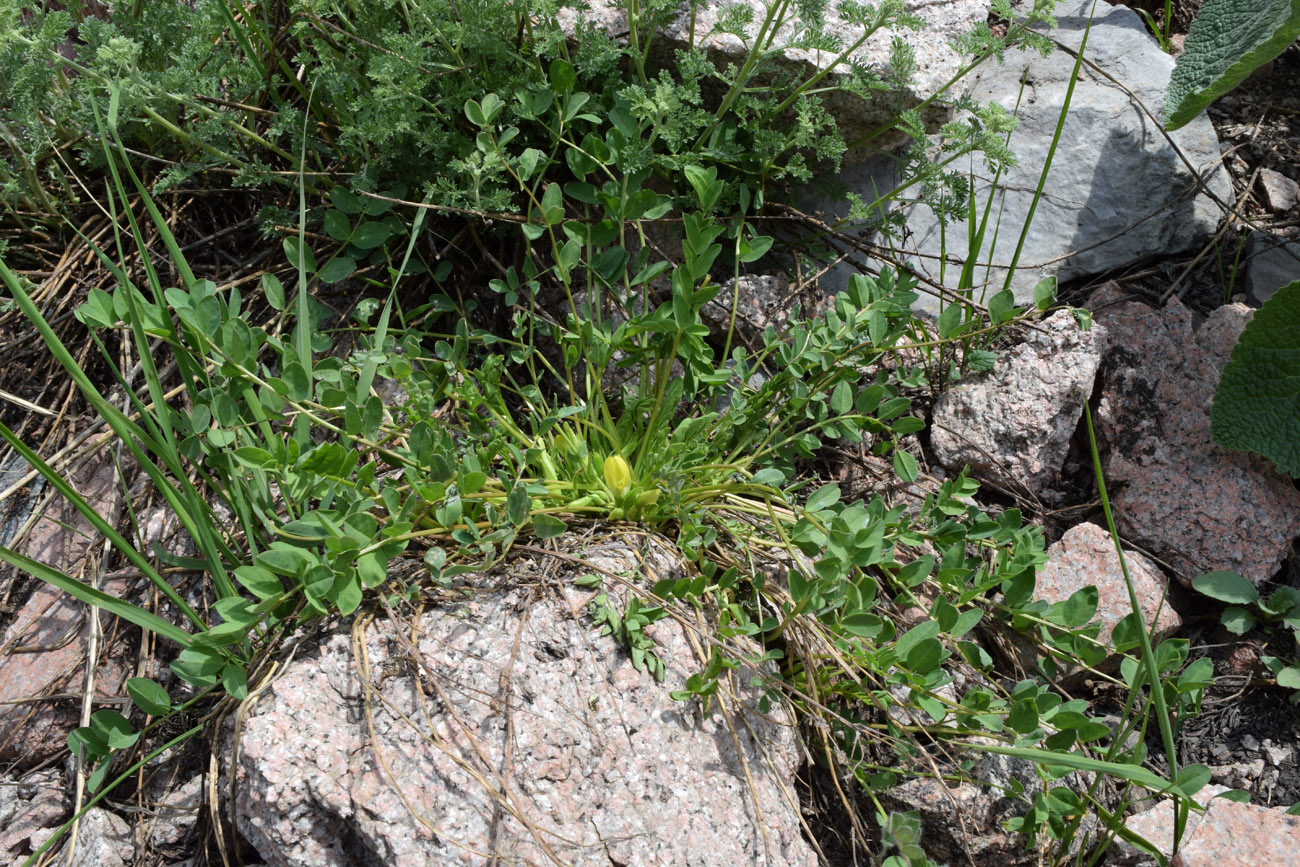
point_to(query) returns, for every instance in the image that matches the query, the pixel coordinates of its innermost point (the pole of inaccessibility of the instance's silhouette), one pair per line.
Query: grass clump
(501, 194)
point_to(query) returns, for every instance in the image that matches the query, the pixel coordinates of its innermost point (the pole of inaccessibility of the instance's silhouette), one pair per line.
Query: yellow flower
(618, 475)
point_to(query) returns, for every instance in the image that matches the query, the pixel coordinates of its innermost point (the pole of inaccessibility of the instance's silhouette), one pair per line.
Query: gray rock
(1117, 191)
(523, 735)
(1190, 503)
(759, 301)
(174, 807)
(1280, 192)
(31, 808)
(17, 508)
(1271, 263)
(103, 840)
(936, 59)
(1013, 425)
(958, 821)
(1278, 754)
(1243, 775)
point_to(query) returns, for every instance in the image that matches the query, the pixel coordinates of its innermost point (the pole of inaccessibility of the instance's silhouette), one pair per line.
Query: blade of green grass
(1149, 665)
(302, 328)
(1076, 761)
(192, 370)
(381, 330)
(125, 610)
(97, 521)
(1051, 150)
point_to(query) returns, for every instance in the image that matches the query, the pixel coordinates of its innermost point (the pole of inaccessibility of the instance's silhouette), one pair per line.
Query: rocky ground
(1164, 328)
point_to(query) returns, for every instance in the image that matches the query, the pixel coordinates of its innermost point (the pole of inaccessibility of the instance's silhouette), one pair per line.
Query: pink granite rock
(1085, 556)
(44, 648)
(1156, 826)
(1192, 504)
(521, 735)
(1232, 833)
(1013, 425)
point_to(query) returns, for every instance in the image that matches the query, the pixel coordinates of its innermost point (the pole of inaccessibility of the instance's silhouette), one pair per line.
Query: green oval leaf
(751, 251)
(251, 456)
(562, 75)
(149, 696)
(1023, 717)
(548, 526)
(474, 113)
(234, 681)
(295, 377)
(1045, 293)
(863, 624)
(345, 200)
(1191, 779)
(260, 582)
(1226, 587)
(273, 289)
(222, 635)
(1237, 620)
(336, 269)
(370, 235)
(950, 320)
(299, 255)
(285, 559)
(98, 311)
(337, 225)
(905, 466)
(823, 497)
(114, 728)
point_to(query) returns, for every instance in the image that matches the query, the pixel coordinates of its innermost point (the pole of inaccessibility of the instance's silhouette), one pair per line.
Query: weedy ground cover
(491, 197)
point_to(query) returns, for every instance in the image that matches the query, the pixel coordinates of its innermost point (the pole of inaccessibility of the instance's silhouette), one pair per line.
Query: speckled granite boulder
(1232, 833)
(1013, 425)
(1085, 556)
(519, 736)
(1191, 503)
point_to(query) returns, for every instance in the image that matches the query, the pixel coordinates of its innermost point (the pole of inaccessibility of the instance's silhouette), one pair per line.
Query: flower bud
(618, 475)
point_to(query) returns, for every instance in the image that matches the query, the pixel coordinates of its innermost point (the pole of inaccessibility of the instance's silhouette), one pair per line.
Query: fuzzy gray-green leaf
(1228, 41)
(1257, 405)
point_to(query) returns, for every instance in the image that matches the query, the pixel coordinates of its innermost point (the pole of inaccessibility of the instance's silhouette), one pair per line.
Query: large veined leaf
(1228, 41)
(1257, 406)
